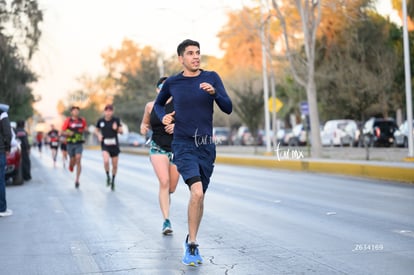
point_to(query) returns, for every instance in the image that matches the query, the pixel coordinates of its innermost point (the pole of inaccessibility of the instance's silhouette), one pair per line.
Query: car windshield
(222, 132)
(384, 125)
(342, 125)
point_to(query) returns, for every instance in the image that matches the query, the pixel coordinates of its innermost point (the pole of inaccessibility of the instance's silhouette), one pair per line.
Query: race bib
(54, 143)
(109, 141)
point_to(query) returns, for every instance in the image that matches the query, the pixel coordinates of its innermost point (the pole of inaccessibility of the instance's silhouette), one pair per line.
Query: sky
(76, 32)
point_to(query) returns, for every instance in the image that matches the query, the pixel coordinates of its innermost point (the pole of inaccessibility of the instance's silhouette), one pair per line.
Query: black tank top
(159, 136)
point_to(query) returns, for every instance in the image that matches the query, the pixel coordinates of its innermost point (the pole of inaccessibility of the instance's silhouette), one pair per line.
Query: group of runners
(181, 121)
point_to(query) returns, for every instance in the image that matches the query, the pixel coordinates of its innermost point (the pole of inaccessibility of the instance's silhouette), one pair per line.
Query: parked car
(352, 135)
(131, 139)
(339, 132)
(222, 135)
(280, 136)
(262, 137)
(243, 136)
(13, 162)
(297, 137)
(401, 135)
(379, 132)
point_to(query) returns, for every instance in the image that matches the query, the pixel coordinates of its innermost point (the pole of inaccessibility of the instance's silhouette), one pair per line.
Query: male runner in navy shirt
(194, 91)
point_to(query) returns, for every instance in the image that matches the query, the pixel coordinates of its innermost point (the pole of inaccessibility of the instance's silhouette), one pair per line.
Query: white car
(401, 135)
(335, 131)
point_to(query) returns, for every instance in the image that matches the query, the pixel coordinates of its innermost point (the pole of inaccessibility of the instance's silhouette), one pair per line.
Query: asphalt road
(256, 221)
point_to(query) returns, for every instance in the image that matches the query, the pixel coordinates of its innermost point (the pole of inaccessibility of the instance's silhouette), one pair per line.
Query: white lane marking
(407, 233)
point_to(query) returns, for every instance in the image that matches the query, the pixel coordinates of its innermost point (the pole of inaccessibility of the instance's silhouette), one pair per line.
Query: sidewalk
(384, 163)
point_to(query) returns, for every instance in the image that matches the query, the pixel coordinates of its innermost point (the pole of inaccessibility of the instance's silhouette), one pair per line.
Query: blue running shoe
(190, 250)
(166, 227)
(197, 256)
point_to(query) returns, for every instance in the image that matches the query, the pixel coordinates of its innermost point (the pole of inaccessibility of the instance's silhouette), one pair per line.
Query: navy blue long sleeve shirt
(193, 106)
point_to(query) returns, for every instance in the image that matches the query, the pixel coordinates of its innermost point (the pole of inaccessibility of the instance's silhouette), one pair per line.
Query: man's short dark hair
(20, 124)
(188, 42)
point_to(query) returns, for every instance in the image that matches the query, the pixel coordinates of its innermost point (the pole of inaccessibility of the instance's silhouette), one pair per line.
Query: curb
(375, 171)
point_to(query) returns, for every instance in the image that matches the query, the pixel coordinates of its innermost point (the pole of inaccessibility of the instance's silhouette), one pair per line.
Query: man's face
(75, 112)
(108, 112)
(191, 58)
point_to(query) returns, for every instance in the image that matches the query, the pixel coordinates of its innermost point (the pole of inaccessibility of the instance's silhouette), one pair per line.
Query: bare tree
(310, 17)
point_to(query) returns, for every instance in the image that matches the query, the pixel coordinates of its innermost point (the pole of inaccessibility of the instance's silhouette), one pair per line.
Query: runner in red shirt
(39, 141)
(73, 128)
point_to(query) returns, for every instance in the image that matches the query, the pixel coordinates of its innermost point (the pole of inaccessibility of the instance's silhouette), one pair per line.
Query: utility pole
(265, 77)
(408, 96)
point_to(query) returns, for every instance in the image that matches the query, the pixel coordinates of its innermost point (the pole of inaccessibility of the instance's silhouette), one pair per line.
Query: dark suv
(379, 132)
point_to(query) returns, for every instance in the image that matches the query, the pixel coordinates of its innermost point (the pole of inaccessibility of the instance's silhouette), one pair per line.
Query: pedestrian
(22, 135)
(5, 146)
(194, 92)
(63, 148)
(39, 141)
(53, 138)
(73, 128)
(107, 129)
(161, 155)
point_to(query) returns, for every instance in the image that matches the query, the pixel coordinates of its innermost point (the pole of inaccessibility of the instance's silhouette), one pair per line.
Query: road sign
(274, 101)
(304, 108)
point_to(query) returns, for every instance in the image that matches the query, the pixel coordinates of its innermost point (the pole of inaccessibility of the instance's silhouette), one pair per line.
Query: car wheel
(293, 142)
(18, 178)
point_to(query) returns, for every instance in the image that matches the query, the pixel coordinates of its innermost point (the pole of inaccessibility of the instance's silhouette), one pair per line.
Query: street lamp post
(265, 79)
(408, 81)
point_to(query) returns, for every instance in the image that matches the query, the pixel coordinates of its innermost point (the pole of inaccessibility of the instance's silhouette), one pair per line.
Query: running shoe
(6, 213)
(166, 227)
(198, 257)
(108, 181)
(113, 185)
(77, 184)
(191, 254)
(70, 167)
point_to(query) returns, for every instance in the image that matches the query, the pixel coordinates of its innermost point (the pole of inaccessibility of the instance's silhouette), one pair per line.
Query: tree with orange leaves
(397, 5)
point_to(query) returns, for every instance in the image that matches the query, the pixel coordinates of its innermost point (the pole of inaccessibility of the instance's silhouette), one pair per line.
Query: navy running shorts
(195, 162)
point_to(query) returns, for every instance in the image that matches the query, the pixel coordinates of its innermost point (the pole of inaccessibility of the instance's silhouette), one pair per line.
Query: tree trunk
(316, 148)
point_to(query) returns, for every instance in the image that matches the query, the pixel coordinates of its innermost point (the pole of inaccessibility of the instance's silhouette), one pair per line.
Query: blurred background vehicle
(13, 161)
(222, 135)
(339, 132)
(131, 139)
(297, 137)
(262, 136)
(280, 136)
(379, 132)
(286, 136)
(243, 136)
(401, 135)
(352, 134)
